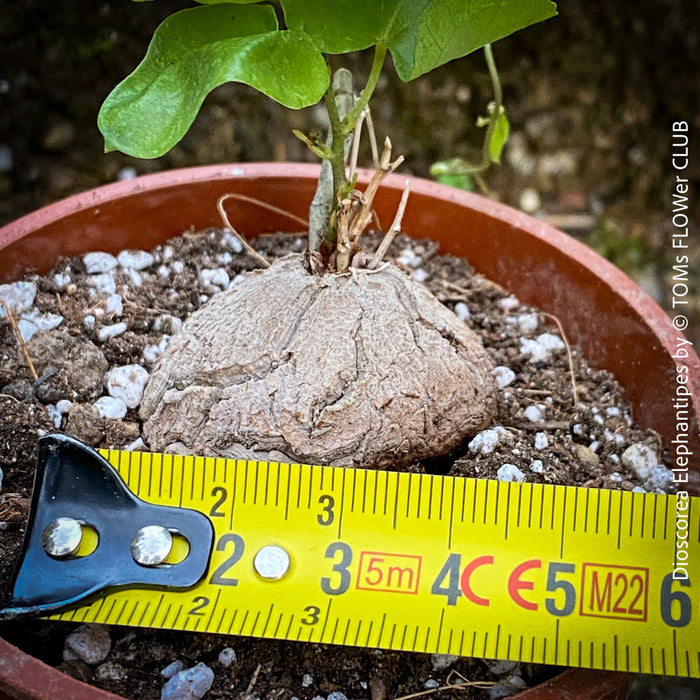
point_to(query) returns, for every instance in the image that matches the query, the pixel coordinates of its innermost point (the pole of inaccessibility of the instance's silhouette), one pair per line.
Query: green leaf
(460, 181)
(192, 52)
(499, 137)
(421, 34)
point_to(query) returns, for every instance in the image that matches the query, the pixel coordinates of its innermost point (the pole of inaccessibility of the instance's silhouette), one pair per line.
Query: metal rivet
(62, 537)
(151, 545)
(271, 562)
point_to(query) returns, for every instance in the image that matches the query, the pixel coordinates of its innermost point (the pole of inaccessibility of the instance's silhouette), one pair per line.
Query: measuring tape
(415, 562)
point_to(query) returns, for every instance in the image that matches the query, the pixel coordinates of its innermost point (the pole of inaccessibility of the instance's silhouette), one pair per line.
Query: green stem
(348, 124)
(498, 100)
(337, 148)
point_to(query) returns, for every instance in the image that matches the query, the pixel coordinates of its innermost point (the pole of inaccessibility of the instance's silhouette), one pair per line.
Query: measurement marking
(627, 656)
(639, 659)
(439, 633)
(585, 515)
(591, 654)
(207, 461)
(498, 495)
(192, 469)
(486, 499)
(150, 478)
(420, 494)
(100, 606)
(171, 462)
(289, 627)
(554, 491)
(381, 631)
(568, 652)
(529, 510)
(298, 485)
(277, 485)
(121, 612)
(573, 528)
(385, 479)
(160, 474)
(461, 643)
(544, 650)
(182, 480)
(277, 626)
(403, 637)
(604, 656)
(289, 486)
(391, 639)
(508, 647)
(486, 641)
(475, 488)
(233, 500)
(267, 622)
(498, 636)
(245, 481)
(364, 492)
(556, 643)
(656, 502)
(520, 653)
(342, 504)
(245, 617)
(375, 491)
(267, 483)
(369, 633)
(607, 529)
(177, 615)
(666, 500)
(415, 638)
(221, 620)
(396, 503)
(431, 481)
(449, 643)
(580, 651)
(532, 649)
(541, 506)
(255, 624)
(473, 643)
(505, 533)
(563, 520)
(597, 511)
(213, 610)
(619, 523)
(452, 513)
(357, 634)
(632, 499)
(354, 484)
(311, 478)
(347, 630)
(165, 617)
(335, 630)
(663, 661)
(442, 496)
(143, 614)
(233, 619)
(427, 637)
(328, 609)
(155, 612)
(615, 652)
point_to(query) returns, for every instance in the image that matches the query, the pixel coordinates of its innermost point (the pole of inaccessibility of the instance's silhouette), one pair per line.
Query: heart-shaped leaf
(421, 34)
(196, 50)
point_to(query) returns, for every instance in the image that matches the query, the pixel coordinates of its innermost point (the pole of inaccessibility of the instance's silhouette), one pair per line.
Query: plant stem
(337, 147)
(348, 124)
(493, 117)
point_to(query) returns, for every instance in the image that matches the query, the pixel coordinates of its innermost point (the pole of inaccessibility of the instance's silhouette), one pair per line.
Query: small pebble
(43, 321)
(431, 683)
(127, 173)
(224, 258)
(509, 472)
(537, 466)
(641, 459)
(500, 667)
(594, 446)
(134, 276)
(89, 322)
(19, 297)
(638, 489)
(420, 275)
(55, 415)
(440, 662)
(306, 680)
(462, 311)
(163, 271)
(112, 331)
(177, 266)
(504, 376)
(530, 200)
(509, 303)
(541, 348)
(26, 329)
(171, 669)
(409, 258)
(228, 240)
(191, 684)
(98, 263)
(612, 411)
(578, 429)
(115, 304)
(528, 323)
(660, 479)
(135, 259)
(135, 446)
(534, 413)
(90, 643)
(127, 383)
(541, 441)
(63, 406)
(486, 441)
(227, 656)
(215, 278)
(61, 280)
(104, 283)
(337, 695)
(1, 478)
(110, 407)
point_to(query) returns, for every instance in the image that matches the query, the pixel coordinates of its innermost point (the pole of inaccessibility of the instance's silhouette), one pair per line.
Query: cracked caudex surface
(364, 369)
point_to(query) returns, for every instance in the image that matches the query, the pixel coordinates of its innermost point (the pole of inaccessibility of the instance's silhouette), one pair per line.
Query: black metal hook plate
(74, 481)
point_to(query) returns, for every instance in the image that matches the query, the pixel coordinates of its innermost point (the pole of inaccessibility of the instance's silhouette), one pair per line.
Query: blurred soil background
(591, 96)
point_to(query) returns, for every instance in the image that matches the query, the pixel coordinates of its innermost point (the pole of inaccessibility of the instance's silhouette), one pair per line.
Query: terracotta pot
(617, 325)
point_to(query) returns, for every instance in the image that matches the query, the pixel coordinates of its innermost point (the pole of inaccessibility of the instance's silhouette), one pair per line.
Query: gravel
(111, 408)
(190, 684)
(89, 643)
(127, 383)
(18, 296)
(486, 441)
(509, 472)
(135, 259)
(641, 459)
(98, 262)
